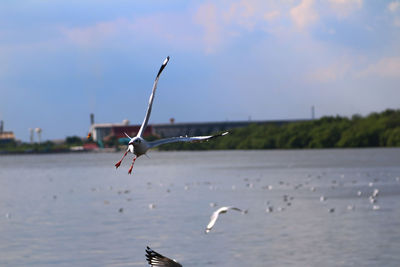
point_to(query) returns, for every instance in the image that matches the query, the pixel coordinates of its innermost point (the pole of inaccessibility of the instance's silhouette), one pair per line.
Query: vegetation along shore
(375, 130)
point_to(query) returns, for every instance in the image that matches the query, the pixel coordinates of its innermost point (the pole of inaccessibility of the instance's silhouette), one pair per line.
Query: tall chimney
(312, 112)
(91, 118)
(1, 126)
(31, 135)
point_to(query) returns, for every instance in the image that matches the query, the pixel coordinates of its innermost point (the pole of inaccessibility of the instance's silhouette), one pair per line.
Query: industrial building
(5, 137)
(203, 128)
(105, 131)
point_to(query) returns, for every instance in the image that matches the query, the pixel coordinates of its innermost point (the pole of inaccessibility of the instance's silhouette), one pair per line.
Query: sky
(230, 60)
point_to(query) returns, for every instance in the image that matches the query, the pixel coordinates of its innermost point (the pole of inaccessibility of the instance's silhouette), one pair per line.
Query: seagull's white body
(138, 146)
(157, 260)
(215, 215)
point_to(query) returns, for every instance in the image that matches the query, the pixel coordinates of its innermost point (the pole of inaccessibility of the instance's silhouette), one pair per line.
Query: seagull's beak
(130, 148)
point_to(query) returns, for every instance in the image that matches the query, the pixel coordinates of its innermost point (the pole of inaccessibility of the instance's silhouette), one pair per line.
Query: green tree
(73, 140)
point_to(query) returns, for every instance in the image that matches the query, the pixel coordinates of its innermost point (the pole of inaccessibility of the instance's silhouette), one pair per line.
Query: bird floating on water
(138, 146)
(375, 193)
(157, 260)
(216, 213)
(376, 207)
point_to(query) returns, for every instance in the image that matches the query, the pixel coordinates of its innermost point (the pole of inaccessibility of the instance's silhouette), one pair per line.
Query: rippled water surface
(77, 210)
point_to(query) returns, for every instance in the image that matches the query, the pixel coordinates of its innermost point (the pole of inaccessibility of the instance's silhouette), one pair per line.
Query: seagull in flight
(138, 146)
(216, 213)
(157, 260)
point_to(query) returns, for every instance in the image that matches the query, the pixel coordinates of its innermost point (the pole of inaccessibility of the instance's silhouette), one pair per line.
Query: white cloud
(209, 26)
(394, 6)
(222, 22)
(177, 32)
(388, 67)
(331, 73)
(344, 8)
(91, 35)
(272, 15)
(207, 17)
(243, 13)
(347, 3)
(304, 14)
(396, 22)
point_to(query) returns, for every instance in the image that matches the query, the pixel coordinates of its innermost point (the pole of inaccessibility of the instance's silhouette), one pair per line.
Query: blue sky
(230, 60)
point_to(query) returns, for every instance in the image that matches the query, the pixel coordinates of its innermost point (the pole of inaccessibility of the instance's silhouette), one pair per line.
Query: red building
(106, 131)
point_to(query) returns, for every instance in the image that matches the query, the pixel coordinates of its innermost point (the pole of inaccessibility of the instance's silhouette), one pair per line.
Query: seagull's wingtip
(166, 61)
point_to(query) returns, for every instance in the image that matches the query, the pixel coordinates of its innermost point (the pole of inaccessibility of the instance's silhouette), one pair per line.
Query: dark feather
(157, 260)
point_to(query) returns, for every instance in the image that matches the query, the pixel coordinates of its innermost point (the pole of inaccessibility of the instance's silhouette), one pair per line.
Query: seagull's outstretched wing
(192, 139)
(157, 260)
(148, 112)
(215, 215)
(213, 219)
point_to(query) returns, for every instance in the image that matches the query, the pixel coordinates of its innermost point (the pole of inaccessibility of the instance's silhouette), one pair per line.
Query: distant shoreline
(61, 151)
(113, 150)
(377, 130)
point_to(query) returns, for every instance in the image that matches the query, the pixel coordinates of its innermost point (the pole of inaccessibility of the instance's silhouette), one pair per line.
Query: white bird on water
(216, 213)
(157, 260)
(138, 146)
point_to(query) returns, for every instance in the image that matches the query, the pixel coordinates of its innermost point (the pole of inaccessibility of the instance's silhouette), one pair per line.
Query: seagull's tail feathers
(127, 135)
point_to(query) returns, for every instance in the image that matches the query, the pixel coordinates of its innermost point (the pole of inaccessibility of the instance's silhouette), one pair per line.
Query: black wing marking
(157, 260)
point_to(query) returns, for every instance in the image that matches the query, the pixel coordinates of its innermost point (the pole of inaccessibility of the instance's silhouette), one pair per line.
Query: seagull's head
(133, 143)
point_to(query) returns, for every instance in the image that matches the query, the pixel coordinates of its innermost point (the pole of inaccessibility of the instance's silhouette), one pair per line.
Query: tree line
(375, 130)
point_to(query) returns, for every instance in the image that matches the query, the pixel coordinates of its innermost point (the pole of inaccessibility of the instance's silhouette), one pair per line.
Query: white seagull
(157, 260)
(138, 146)
(216, 213)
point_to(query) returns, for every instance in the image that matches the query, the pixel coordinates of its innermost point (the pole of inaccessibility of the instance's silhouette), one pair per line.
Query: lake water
(77, 210)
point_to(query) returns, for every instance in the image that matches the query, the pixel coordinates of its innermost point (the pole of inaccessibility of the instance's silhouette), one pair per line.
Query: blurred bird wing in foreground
(158, 260)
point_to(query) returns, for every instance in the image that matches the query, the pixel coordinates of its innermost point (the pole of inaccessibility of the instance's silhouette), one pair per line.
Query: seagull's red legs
(119, 162)
(130, 169)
